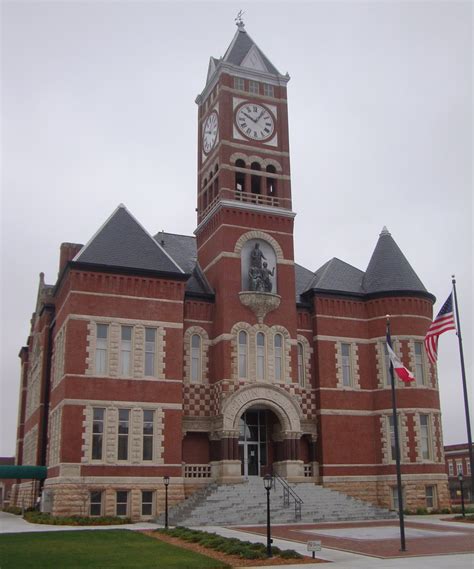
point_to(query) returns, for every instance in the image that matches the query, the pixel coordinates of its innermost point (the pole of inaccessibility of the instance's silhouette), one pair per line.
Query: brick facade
(150, 370)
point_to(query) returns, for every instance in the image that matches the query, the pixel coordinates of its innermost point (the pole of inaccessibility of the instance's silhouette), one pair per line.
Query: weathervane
(238, 20)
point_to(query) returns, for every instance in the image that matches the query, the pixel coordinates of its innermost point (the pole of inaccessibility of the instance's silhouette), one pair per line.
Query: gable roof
(123, 242)
(388, 269)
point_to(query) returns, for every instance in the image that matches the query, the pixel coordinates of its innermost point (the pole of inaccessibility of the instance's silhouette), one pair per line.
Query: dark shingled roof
(389, 270)
(303, 278)
(336, 275)
(240, 46)
(123, 242)
(182, 248)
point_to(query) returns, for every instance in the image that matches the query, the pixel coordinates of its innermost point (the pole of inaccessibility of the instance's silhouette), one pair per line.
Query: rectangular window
(430, 492)
(150, 345)
(148, 417)
(122, 503)
(126, 351)
(393, 451)
(459, 468)
(268, 90)
(419, 368)
(239, 83)
(101, 349)
(451, 468)
(386, 361)
(425, 437)
(98, 414)
(95, 499)
(123, 429)
(346, 365)
(468, 467)
(253, 87)
(395, 497)
(147, 503)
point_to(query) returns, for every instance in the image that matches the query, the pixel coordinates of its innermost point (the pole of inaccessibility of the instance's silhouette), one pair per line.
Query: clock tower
(244, 188)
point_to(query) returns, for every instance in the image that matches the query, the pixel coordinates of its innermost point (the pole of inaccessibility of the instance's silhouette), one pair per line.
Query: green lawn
(99, 549)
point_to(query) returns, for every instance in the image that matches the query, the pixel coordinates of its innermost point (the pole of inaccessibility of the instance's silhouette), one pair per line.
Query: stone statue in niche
(259, 273)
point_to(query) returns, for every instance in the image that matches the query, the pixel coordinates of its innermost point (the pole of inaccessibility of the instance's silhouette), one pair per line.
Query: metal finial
(238, 20)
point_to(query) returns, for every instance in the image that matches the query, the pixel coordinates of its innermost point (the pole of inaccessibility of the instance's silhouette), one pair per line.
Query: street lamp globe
(267, 481)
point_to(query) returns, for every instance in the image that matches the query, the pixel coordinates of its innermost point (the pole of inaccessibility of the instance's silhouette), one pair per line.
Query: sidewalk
(9, 523)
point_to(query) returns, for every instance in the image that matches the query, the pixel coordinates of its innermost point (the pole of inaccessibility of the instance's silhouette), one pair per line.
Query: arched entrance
(257, 433)
(260, 432)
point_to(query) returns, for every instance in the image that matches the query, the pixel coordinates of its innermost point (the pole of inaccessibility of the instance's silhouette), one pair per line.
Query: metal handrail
(287, 492)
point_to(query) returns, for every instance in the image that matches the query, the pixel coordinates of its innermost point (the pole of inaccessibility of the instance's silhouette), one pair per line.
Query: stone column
(289, 466)
(313, 458)
(225, 463)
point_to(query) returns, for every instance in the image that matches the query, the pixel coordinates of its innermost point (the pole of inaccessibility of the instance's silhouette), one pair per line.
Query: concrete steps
(237, 504)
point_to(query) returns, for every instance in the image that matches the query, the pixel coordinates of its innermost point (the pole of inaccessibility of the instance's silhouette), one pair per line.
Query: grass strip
(99, 549)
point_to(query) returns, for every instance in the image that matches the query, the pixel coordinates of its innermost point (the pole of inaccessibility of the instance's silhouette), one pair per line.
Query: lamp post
(461, 479)
(268, 482)
(166, 482)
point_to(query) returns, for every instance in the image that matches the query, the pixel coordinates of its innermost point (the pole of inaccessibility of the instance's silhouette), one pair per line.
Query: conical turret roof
(388, 269)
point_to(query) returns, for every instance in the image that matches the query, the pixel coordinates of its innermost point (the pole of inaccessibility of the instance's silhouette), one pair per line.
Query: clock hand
(260, 116)
(248, 116)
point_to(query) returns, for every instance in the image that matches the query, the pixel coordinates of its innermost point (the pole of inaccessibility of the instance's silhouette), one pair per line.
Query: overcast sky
(98, 109)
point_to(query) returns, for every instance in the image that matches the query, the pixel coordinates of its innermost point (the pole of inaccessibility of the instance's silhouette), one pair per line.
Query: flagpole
(397, 447)
(464, 387)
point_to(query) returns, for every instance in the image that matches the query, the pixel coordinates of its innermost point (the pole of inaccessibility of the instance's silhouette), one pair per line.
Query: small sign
(314, 546)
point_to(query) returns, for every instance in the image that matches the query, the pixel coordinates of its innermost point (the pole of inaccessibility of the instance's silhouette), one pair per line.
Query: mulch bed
(232, 560)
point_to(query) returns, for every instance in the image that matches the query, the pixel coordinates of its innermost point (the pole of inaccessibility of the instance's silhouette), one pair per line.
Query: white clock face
(209, 133)
(254, 121)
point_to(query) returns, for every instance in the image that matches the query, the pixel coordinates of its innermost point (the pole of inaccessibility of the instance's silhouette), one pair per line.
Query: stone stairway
(243, 504)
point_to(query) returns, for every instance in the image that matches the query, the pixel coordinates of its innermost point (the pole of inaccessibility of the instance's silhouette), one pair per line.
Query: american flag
(442, 323)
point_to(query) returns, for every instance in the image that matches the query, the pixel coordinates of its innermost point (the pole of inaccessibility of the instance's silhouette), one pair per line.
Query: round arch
(259, 235)
(274, 398)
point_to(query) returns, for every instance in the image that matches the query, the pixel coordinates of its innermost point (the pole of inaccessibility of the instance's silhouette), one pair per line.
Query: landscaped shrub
(12, 510)
(290, 554)
(36, 517)
(421, 511)
(230, 546)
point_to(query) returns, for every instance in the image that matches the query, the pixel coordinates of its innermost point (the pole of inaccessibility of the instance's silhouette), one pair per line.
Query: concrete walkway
(10, 523)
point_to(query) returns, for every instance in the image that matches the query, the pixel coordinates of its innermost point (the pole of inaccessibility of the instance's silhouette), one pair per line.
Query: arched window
(271, 182)
(260, 356)
(240, 176)
(255, 180)
(301, 374)
(243, 354)
(278, 354)
(196, 373)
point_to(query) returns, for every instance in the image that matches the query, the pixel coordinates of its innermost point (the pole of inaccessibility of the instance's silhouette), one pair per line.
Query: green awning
(25, 472)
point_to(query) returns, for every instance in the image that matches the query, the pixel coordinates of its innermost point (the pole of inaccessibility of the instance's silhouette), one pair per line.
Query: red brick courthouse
(216, 356)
